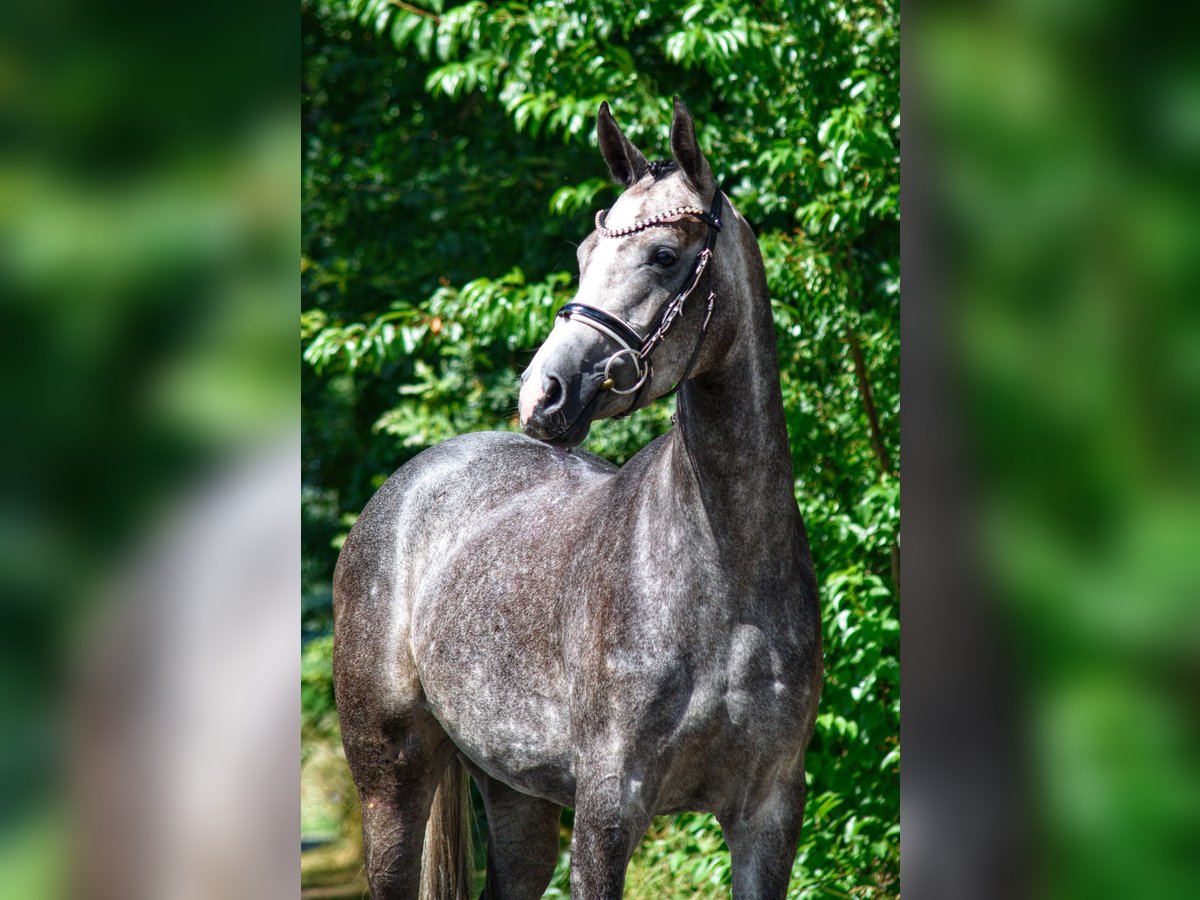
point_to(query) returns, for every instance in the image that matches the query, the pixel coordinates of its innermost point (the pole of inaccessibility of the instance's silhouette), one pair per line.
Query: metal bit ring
(639, 365)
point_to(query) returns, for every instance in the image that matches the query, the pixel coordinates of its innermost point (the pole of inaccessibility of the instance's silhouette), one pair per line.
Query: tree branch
(868, 398)
(415, 10)
(860, 374)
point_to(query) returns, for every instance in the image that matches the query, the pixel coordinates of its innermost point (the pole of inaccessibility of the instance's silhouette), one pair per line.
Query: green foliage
(450, 163)
(318, 715)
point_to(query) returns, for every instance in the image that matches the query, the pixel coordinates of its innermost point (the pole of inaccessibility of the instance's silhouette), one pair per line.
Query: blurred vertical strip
(1052, 442)
(149, 217)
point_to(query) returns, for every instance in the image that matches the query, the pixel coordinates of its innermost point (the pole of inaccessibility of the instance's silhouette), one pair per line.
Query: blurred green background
(1058, 146)
(148, 217)
(450, 168)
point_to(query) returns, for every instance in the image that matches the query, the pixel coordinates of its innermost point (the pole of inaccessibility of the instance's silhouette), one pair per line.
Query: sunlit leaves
(365, 344)
(576, 197)
(458, 78)
(507, 306)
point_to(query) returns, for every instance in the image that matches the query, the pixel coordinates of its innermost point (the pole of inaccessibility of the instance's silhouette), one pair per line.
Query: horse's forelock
(660, 168)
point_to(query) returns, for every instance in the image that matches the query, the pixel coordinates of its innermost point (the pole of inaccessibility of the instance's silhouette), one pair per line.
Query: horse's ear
(625, 161)
(687, 151)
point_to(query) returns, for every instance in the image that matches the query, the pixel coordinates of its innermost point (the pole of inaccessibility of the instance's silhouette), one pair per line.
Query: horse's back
(456, 480)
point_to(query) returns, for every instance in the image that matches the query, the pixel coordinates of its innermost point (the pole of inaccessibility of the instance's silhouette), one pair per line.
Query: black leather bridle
(638, 348)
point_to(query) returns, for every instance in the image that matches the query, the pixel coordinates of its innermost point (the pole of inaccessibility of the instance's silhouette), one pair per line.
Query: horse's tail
(447, 859)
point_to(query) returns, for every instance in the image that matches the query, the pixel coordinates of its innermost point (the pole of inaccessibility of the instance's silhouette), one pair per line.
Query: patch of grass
(682, 857)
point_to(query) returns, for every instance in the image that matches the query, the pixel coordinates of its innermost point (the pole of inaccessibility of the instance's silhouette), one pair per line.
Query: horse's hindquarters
(445, 598)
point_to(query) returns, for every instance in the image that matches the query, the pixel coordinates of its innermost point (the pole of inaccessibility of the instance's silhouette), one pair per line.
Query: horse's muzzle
(562, 412)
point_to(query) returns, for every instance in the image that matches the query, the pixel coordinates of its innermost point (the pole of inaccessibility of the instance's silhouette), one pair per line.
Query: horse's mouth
(574, 433)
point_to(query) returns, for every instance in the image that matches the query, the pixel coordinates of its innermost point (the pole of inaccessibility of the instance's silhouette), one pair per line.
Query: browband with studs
(663, 218)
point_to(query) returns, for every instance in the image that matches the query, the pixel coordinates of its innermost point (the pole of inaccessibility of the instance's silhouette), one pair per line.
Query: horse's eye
(665, 257)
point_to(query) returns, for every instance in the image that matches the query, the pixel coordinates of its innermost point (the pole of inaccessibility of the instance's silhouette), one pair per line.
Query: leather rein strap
(640, 349)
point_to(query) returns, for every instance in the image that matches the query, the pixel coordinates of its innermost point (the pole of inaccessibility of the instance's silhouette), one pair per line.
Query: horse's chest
(761, 691)
(745, 685)
(756, 684)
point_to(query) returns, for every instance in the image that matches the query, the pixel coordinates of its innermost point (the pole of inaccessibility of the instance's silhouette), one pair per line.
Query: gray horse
(628, 641)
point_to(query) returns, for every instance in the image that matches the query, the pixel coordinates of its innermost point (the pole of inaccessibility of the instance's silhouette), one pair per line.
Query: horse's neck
(731, 438)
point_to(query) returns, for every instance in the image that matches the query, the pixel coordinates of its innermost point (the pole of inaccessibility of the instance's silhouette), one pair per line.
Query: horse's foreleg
(522, 841)
(612, 812)
(763, 843)
(396, 767)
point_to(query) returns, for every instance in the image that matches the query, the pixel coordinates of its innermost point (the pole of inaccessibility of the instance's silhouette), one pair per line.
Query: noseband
(639, 349)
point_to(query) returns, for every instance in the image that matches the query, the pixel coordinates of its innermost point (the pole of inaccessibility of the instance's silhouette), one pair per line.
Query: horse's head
(645, 264)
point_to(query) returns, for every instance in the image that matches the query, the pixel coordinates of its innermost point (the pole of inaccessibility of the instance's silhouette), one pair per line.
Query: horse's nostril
(554, 392)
